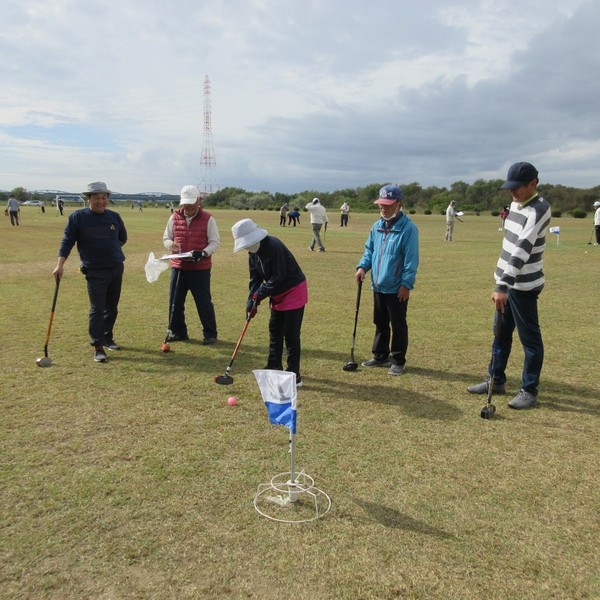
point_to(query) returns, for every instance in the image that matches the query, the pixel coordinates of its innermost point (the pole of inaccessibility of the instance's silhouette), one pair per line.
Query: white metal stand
(291, 497)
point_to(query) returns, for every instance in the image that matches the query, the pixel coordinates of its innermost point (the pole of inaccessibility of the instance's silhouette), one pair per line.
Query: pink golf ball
(232, 401)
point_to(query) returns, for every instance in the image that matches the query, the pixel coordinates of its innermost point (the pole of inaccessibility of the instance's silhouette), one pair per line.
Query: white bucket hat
(246, 233)
(189, 195)
(597, 204)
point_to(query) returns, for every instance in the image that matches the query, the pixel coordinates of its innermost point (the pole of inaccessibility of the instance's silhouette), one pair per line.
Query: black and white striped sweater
(520, 265)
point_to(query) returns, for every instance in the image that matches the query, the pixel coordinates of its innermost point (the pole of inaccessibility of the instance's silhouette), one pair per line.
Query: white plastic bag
(154, 267)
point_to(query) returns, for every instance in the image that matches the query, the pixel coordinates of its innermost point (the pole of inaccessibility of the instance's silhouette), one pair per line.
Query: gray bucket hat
(97, 187)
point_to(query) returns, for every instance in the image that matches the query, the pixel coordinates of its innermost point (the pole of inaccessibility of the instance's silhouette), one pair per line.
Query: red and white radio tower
(209, 162)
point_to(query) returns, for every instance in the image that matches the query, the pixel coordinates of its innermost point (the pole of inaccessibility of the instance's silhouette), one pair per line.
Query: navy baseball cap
(389, 194)
(519, 174)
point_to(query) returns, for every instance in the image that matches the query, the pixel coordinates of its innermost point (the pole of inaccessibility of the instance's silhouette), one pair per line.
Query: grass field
(134, 479)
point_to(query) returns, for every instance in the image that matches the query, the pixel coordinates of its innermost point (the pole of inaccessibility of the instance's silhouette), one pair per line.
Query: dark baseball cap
(519, 174)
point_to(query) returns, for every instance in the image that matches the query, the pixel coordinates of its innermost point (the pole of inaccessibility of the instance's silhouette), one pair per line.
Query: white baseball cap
(189, 195)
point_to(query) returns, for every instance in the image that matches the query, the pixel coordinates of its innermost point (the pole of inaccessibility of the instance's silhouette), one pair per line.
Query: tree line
(478, 197)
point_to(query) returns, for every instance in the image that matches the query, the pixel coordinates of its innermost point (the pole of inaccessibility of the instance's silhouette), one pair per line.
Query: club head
(43, 362)
(350, 366)
(224, 379)
(488, 411)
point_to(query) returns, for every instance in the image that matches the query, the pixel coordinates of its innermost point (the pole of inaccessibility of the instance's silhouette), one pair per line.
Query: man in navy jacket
(99, 234)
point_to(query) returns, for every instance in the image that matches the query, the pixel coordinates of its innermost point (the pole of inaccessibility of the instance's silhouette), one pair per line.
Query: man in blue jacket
(99, 234)
(392, 256)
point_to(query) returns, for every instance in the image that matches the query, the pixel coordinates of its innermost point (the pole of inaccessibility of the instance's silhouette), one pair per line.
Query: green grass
(134, 479)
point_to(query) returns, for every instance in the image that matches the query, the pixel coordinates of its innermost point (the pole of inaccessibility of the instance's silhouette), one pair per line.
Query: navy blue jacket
(273, 269)
(99, 238)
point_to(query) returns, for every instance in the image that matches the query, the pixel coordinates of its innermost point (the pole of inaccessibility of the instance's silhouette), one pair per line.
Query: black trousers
(104, 292)
(390, 313)
(284, 327)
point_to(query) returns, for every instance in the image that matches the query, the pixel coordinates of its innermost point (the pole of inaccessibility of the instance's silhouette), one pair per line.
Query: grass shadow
(418, 405)
(394, 519)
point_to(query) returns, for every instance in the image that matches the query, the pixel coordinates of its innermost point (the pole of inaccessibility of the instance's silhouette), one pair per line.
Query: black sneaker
(209, 341)
(173, 337)
(99, 354)
(112, 345)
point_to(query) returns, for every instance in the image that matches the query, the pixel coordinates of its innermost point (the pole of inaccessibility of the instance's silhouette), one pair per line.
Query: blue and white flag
(555, 230)
(278, 390)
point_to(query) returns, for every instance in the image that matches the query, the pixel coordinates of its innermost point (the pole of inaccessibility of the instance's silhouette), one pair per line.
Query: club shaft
(52, 310)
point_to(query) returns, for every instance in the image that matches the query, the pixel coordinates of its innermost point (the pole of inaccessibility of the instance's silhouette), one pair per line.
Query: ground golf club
(489, 410)
(352, 365)
(165, 346)
(226, 378)
(591, 236)
(46, 361)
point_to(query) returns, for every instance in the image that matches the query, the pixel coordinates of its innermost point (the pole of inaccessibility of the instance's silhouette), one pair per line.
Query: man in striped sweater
(519, 281)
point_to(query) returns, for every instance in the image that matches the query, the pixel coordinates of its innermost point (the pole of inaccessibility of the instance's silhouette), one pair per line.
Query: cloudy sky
(305, 94)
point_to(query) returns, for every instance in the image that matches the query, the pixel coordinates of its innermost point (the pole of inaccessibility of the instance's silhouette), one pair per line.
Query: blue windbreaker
(392, 255)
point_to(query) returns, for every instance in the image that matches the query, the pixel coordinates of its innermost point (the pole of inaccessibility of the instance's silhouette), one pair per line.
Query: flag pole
(293, 482)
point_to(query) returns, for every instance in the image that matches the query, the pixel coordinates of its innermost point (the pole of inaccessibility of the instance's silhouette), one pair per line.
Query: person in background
(519, 281)
(274, 274)
(392, 256)
(344, 210)
(503, 216)
(450, 221)
(13, 210)
(100, 235)
(61, 206)
(294, 217)
(191, 229)
(283, 211)
(597, 222)
(318, 219)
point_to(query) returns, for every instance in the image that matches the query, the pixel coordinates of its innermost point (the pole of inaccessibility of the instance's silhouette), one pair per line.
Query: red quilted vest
(192, 237)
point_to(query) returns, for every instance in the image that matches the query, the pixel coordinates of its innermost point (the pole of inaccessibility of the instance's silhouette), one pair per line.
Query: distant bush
(556, 214)
(427, 212)
(412, 211)
(442, 212)
(577, 213)
(495, 213)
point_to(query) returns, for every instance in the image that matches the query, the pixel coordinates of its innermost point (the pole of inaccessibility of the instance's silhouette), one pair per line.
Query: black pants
(389, 311)
(597, 228)
(343, 220)
(285, 326)
(104, 291)
(198, 283)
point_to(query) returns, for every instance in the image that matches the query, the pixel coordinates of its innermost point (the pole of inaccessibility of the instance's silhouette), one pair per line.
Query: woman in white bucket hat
(274, 274)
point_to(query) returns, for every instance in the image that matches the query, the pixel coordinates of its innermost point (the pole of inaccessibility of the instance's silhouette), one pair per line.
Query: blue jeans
(198, 283)
(104, 291)
(520, 312)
